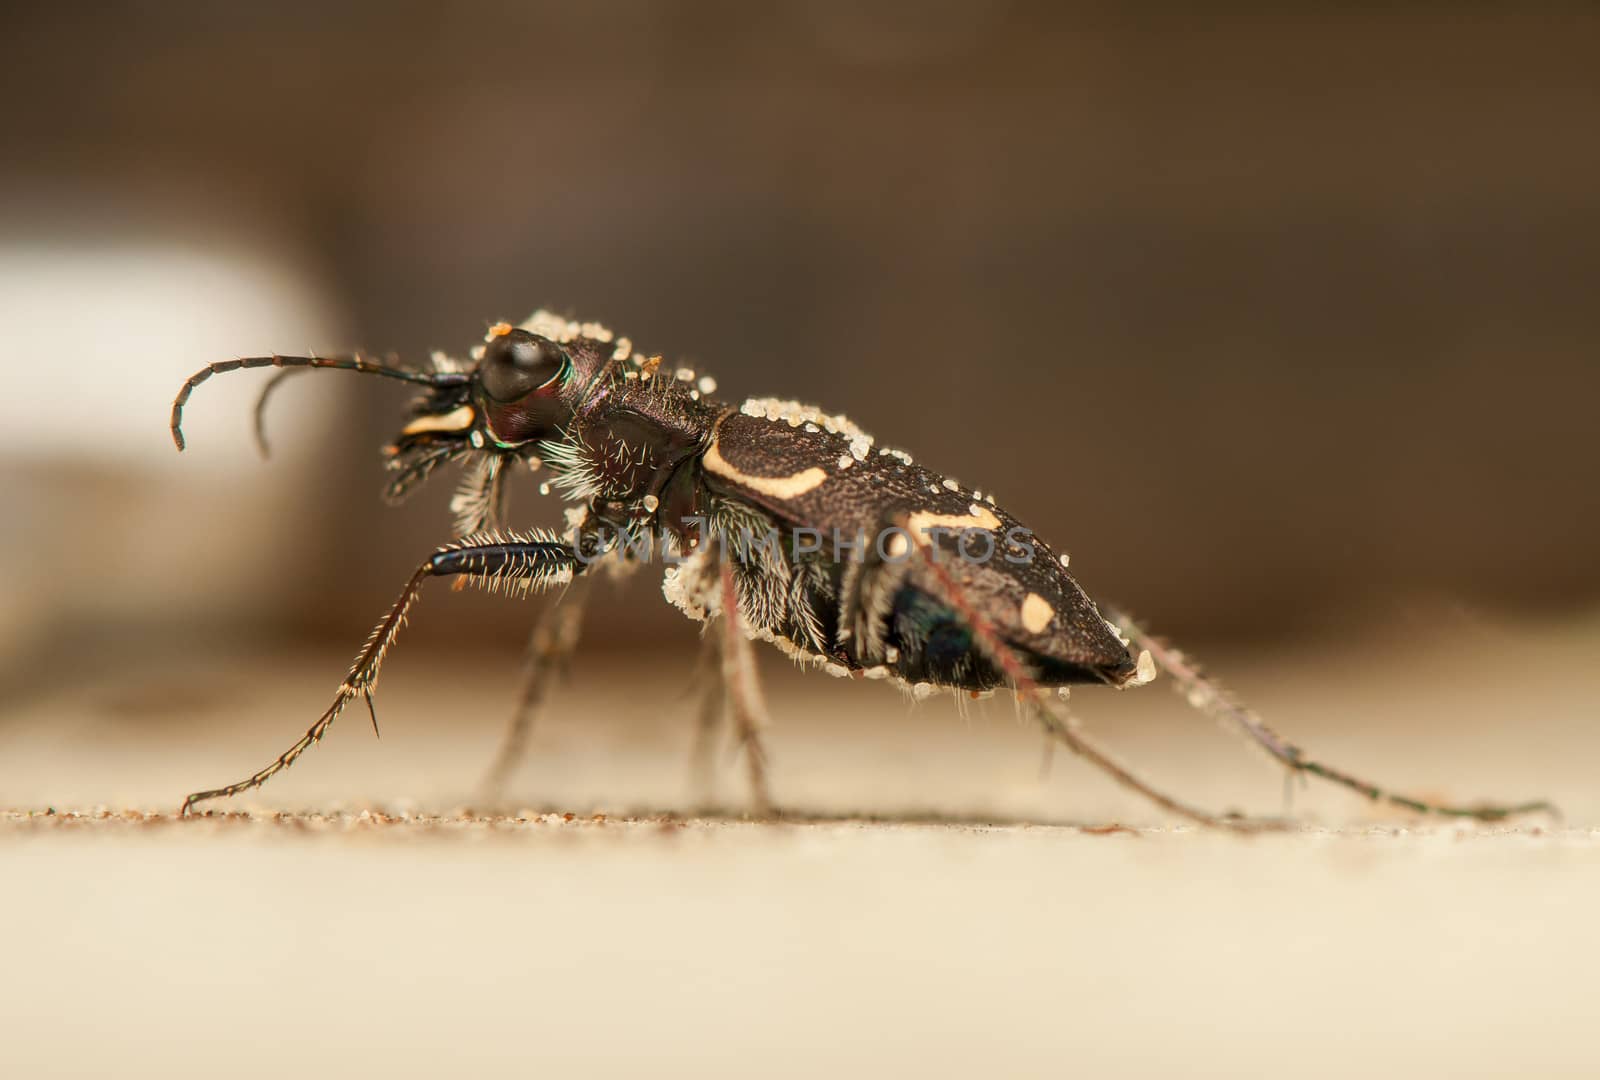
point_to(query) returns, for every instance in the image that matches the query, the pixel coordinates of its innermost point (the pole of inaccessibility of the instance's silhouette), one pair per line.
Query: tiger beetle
(775, 522)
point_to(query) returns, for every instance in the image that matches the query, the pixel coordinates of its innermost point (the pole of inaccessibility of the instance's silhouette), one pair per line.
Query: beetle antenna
(261, 408)
(341, 363)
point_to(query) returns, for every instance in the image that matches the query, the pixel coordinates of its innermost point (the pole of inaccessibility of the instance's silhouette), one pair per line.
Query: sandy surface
(367, 913)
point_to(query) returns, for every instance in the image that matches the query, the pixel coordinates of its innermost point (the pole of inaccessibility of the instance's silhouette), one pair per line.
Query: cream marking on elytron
(920, 523)
(1036, 613)
(778, 487)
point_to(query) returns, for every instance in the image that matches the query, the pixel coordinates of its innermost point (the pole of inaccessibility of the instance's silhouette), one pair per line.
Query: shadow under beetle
(776, 522)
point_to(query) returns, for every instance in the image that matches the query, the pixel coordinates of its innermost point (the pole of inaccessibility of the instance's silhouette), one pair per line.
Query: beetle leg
(713, 709)
(550, 648)
(479, 501)
(743, 690)
(507, 562)
(1057, 722)
(1207, 696)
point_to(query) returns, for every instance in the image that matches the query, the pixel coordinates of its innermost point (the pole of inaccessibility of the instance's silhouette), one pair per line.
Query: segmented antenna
(341, 363)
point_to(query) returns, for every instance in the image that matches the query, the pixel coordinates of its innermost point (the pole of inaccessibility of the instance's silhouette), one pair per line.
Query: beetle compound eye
(516, 363)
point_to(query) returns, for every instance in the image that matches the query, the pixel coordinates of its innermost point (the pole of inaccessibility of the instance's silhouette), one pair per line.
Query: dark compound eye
(516, 363)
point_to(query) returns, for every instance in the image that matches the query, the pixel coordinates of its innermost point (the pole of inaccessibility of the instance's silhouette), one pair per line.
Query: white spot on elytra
(651, 503)
(794, 414)
(707, 384)
(1036, 613)
(920, 522)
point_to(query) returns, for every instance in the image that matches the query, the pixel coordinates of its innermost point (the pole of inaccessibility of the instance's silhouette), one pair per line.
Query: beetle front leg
(497, 562)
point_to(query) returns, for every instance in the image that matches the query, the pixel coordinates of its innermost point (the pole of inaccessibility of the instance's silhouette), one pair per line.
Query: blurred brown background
(1281, 323)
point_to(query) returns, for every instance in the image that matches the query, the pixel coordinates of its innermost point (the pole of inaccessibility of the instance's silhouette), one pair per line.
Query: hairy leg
(712, 711)
(1207, 696)
(509, 563)
(743, 688)
(1052, 714)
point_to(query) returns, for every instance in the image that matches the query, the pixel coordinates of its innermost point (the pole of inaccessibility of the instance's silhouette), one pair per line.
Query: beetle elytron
(779, 523)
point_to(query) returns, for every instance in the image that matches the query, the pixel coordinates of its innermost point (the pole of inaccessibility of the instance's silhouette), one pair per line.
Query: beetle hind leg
(1057, 722)
(1205, 695)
